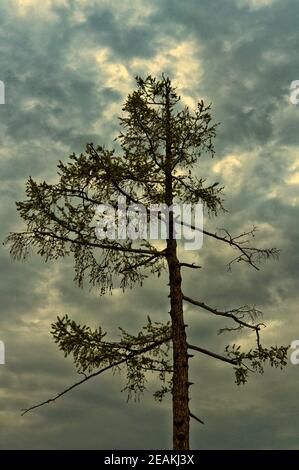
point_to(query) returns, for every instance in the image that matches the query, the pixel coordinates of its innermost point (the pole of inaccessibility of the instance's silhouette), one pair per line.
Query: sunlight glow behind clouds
(257, 4)
(37, 7)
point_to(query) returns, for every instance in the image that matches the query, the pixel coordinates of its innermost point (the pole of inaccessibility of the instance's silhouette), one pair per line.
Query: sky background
(68, 66)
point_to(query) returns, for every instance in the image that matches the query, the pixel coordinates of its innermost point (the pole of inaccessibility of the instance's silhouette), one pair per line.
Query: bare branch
(227, 314)
(247, 253)
(95, 374)
(195, 417)
(233, 315)
(188, 265)
(212, 354)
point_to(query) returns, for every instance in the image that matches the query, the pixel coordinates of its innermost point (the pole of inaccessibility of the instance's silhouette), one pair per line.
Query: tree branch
(104, 369)
(98, 245)
(190, 265)
(209, 353)
(195, 417)
(114, 182)
(142, 263)
(150, 142)
(245, 256)
(227, 314)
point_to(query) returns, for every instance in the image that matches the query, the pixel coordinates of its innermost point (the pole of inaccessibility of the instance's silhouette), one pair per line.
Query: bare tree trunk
(180, 393)
(180, 390)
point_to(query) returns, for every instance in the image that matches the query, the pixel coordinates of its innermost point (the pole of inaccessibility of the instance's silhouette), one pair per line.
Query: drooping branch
(86, 378)
(125, 359)
(112, 246)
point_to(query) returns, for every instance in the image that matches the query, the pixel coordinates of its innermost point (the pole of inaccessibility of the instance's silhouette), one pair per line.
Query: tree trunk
(180, 390)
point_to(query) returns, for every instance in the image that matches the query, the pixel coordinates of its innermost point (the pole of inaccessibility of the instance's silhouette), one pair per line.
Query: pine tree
(159, 149)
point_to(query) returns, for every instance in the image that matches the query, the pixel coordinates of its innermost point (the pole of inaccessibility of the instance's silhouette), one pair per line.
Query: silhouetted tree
(160, 145)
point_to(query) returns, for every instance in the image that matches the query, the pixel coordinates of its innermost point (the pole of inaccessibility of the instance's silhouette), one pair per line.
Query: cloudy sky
(67, 66)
